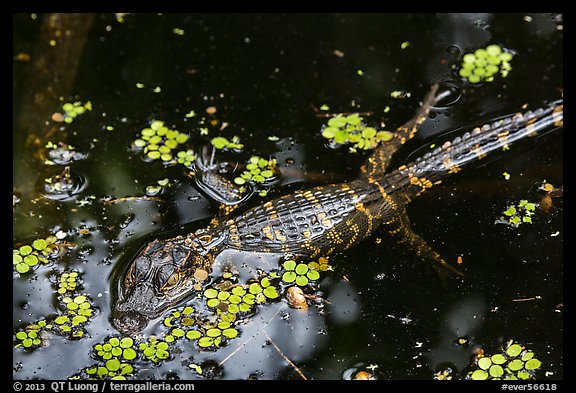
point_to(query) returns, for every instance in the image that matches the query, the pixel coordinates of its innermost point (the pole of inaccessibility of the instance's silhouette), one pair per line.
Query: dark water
(265, 74)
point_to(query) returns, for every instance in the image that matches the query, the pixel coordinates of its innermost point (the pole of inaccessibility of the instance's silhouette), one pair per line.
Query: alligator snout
(130, 322)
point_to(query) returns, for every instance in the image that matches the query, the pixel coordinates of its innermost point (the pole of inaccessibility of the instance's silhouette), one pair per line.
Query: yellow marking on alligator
(280, 236)
(268, 232)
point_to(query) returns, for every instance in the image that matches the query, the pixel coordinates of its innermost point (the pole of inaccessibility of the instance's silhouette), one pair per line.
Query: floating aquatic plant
(158, 142)
(258, 170)
(300, 273)
(520, 213)
(351, 129)
(67, 282)
(485, 63)
(31, 336)
(155, 350)
(27, 256)
(74, 109)
(513, 363)
(221, 142)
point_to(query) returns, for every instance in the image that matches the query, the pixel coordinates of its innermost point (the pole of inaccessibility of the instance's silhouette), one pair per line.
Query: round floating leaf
(126, 342)
(301, 281)
(289, 277)
(479, 375)
(523, 375)
(25, 250)
(301, 269)
(270, 292)
(129, 354)
(235, 299)
(484, 363)
(31, 260)
(22, 268)
(498, 359)
(188, 310)
(114, 341)
(516, 365)
(177, 332)
(78, 319)
(113, 364)
(230, 333)
(210, 293)
(533, 364)
(255, 288)
(223, 295)
(289, 265)
(102, 371)
(213, 332)
(238, 291)
(127, 368)
(162, 346)
(161, 354)
(496, 371)
(205, 341)
(527, 356)
(116, 351)
(213, 302)
(149, 352)
(39, 244)
(514, 350)
(313, 275)
(193, 334)
(223, 325)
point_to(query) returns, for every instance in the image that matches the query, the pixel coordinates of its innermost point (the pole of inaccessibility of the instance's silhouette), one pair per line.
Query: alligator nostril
(130, 322)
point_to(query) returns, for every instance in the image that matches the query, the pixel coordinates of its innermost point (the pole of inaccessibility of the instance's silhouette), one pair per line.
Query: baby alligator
(318, 221)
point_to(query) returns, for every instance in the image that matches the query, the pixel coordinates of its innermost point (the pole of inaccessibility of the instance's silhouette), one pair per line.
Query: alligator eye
(171, 282)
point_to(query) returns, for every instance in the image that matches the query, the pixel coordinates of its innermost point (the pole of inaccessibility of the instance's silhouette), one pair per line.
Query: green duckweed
(73, 110)
(516, 214)
(350, 129)
(258, 170)
(28, 256)
(514, 362)
(155, 350)
(485, 63)
(299, 273)
(221, 142)
(158, 142)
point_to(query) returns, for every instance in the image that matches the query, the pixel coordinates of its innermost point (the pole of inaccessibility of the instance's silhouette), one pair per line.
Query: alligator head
(163, 274)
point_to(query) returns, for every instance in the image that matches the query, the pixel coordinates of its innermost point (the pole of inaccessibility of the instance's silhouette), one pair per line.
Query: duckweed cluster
(31, 336)
(28, 256)
(351, 129)
(115, 347)
(158, 142)
(78, 310)
(485, 63)
(221, 142)
(73, 110)
(300, 273)
(258, 170)
(115, 355)
(67, 282)
(154, 349)
(514, 363)
(520, 213)
(75, 310)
